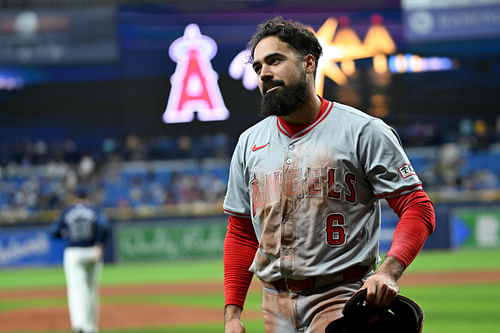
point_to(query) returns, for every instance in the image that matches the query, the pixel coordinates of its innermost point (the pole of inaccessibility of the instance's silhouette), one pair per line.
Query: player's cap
(402, 316)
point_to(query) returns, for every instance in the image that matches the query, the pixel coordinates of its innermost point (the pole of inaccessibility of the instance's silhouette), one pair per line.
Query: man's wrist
(232, 311)
(391, 266)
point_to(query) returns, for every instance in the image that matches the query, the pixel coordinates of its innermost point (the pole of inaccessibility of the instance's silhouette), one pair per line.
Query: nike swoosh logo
(255, 147)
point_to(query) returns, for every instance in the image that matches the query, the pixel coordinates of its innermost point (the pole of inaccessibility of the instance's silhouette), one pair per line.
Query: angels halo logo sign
(194, 83)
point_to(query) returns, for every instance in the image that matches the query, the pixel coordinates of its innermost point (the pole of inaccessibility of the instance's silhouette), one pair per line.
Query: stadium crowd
(39, 176)
(134, 174)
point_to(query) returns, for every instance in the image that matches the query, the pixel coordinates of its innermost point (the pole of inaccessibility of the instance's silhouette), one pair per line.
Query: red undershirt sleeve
(240, 246)
(416, 222)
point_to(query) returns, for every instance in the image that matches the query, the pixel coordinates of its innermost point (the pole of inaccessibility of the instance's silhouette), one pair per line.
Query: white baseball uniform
(85, 229)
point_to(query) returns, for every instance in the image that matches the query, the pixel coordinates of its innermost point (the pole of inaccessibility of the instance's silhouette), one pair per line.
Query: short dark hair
(81, 192)
(301, 39)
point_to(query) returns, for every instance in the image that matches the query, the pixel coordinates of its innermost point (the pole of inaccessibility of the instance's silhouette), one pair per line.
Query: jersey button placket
(291, 148)
(286, 226)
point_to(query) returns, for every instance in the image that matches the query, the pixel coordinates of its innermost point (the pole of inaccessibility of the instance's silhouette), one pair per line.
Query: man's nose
(265, 73)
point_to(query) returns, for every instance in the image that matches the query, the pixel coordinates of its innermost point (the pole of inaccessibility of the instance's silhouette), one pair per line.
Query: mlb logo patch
(406, 171)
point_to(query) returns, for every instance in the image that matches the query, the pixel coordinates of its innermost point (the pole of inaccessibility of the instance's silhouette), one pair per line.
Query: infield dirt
(137, 315)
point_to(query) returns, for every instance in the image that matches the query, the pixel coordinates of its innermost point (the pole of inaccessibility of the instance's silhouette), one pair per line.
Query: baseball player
(85, 229)
(304, 194)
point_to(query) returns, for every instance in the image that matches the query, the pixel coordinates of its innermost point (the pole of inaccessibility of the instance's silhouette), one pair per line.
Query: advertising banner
(433, 21)
(389, 223)
(58, 36)
(475, 227)
(29, 247)
(179, 239)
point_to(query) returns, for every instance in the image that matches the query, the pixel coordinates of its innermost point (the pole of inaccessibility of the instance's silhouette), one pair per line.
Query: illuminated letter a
(194, 83)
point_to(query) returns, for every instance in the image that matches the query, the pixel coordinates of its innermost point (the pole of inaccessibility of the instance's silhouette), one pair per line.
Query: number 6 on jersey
(335, 234)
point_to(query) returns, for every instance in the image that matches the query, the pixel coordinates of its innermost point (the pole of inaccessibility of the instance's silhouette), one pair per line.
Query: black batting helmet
(402, 316)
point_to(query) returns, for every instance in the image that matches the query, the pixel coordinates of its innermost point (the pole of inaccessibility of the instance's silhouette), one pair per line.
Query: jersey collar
(295, 131)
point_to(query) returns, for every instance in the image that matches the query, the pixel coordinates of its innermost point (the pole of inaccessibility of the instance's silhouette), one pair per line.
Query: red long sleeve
(240, 246)
(416, 222)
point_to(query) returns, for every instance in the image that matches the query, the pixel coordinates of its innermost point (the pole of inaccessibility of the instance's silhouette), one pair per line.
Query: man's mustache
(271, 84)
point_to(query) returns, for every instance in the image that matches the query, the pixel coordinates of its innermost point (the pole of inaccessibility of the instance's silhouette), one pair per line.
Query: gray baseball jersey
(313, 196)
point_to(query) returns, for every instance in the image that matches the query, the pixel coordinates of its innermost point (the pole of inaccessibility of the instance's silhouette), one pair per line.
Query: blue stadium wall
(458, 225)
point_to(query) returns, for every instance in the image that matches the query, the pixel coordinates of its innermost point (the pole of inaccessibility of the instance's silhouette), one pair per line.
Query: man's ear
(309, 64)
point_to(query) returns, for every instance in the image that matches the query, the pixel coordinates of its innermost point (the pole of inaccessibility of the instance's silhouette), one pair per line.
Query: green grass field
(448, 308)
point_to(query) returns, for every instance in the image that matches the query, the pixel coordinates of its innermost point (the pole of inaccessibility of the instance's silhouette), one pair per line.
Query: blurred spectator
(135, 148)
(497, 128)
(86, 167)
(184, 145)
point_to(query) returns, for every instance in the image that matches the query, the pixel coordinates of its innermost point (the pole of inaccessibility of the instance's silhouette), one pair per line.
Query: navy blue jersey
(81, 225)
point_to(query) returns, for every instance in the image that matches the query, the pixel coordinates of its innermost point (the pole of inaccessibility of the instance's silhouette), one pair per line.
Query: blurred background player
(86, 229)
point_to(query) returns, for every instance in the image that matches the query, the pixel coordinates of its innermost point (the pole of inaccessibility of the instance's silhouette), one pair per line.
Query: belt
(356, 272)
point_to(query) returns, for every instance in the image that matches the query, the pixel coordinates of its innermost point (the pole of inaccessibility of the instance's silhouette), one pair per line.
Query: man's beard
(284, 100)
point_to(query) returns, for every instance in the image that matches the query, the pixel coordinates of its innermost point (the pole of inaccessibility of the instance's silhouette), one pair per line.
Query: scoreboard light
(411, 63)
(9, 82)
(241, 68)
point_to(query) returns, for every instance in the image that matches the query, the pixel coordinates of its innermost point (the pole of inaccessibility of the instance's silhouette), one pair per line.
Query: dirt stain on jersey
(270, 239)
